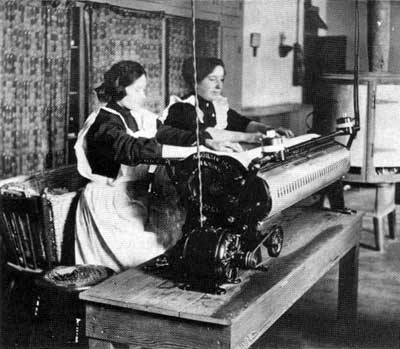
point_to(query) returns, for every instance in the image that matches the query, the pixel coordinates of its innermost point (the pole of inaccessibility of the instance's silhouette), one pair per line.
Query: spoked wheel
(275, 241)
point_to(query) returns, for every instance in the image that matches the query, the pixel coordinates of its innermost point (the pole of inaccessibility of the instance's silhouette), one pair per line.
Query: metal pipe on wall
(378, 35)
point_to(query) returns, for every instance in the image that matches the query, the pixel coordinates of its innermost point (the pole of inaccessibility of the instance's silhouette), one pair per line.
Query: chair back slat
(13, 234)
(28, 231)
(38, 245)
(49, 231)
(11, 239)
(23, 239)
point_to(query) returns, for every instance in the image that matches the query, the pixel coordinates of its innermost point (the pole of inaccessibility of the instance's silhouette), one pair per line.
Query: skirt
(110, 227)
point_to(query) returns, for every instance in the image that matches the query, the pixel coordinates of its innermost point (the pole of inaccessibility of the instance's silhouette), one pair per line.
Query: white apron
(111, 213)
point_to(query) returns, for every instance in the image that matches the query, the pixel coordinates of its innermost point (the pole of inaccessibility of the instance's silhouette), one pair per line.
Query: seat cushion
(77, 277)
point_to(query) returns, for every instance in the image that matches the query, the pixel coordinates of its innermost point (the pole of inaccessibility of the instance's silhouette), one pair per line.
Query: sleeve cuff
(202, 137)
(158, 152)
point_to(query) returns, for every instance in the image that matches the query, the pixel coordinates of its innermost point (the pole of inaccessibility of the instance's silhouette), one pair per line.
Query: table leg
(392, 224)
(348, 287)
(378, 231)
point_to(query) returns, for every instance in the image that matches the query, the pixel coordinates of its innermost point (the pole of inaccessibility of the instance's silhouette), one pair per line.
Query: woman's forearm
(177, 152)
(230, 136)
(255, 126)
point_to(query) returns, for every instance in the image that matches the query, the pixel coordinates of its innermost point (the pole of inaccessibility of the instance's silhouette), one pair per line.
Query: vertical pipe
(164, 74)
(378, 35)
(84, 64)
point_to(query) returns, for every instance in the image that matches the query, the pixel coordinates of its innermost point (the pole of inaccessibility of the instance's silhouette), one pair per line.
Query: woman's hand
(228, 136)
(225, 146)
(254, 137)
(284, 132)
(255, 126)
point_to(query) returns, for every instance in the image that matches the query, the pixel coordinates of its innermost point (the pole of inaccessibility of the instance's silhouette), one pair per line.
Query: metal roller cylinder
(299, 179)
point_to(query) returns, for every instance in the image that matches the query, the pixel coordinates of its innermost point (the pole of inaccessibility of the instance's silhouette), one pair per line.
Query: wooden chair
(27, 226)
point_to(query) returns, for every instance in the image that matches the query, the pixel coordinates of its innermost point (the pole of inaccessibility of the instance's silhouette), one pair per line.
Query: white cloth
(221, 107)
(147, 123)
(111, 213)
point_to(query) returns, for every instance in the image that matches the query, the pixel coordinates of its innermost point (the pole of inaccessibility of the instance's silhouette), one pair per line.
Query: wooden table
(139, 309)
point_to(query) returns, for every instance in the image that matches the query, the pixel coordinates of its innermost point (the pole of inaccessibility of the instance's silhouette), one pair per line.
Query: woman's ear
(120, 91)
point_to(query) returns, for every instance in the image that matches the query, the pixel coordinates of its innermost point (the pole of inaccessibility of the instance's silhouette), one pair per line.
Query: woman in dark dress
(111, 148)
(221, 128)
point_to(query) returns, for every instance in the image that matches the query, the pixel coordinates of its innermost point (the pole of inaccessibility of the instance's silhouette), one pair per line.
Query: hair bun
(117, 78)
(102, 94)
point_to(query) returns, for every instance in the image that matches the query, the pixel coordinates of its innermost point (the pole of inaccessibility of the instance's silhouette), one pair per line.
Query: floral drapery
(179, 47)
(34, 66)
(57, 79)
(35, 69)
(121, 34)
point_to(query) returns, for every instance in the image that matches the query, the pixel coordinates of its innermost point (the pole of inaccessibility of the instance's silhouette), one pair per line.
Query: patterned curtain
(179, 47)
(57, 80)
(34, 66)
(122, 34)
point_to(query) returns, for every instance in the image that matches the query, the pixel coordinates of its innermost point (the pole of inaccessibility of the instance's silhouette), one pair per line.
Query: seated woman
(112, 211)
(221, 128)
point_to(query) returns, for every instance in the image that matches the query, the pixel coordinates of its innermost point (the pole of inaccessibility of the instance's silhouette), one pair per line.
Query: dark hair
(119, 76)
(204, 66)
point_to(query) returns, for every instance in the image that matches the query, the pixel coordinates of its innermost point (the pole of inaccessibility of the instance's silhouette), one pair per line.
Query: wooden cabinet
(375, 153)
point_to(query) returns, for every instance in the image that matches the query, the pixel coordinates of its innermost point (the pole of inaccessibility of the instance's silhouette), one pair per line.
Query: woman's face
(210, 88)
(135, 94)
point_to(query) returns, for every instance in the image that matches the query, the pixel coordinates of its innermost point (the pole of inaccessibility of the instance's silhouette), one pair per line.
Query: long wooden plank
(120, 287)
(207, 303)
(111, 324)
(164, 298)
(121, 290)
(141, 290)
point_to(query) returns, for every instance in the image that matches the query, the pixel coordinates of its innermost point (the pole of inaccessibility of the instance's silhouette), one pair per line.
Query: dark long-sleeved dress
(179, 127)
(112, 209)
(109, 145)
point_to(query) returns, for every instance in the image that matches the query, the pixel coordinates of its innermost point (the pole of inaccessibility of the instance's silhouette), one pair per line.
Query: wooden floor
(311, 322)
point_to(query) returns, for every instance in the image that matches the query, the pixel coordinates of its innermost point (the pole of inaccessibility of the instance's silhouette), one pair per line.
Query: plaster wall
(267, 78)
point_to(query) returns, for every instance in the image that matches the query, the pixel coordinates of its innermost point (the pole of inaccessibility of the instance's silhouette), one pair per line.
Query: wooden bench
(142, 309)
